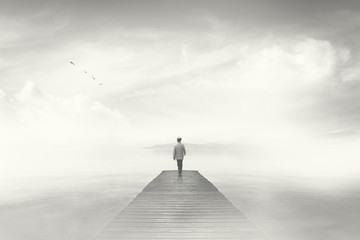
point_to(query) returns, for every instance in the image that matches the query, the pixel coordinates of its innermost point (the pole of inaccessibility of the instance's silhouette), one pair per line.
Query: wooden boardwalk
(187, 207)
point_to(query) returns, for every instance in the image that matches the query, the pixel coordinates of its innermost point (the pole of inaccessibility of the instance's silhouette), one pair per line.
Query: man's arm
(174, 153)
(184, 150)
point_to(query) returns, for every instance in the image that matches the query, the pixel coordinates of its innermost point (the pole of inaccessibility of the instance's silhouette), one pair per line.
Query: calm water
(72, 195)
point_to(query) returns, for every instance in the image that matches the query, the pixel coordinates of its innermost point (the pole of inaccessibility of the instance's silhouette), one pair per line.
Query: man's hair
(179, 139)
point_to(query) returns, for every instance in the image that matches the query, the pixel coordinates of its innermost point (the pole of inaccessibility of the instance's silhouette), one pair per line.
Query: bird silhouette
(86, 72)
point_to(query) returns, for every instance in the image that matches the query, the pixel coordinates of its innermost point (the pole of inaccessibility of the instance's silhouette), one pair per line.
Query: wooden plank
(173, 207)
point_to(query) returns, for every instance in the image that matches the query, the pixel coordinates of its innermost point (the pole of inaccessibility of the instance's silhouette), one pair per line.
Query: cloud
(195, 81)
(247, 89)
(32, 116)
(274, 79)
(46, 134)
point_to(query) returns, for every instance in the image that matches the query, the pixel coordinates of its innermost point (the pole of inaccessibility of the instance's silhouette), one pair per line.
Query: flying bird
(86, 72)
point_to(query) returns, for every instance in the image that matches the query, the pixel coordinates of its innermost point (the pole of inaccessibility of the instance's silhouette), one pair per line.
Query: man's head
(179, 139)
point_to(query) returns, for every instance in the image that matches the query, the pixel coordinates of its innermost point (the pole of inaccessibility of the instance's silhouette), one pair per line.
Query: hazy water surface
(72, 195)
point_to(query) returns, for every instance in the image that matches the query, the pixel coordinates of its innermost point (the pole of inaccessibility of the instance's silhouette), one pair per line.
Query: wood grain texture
(173, 207)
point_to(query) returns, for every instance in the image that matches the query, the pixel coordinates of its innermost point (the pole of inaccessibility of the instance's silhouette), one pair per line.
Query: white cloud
(45, 134)
(35, 117)
(213, 85)
(244, 89)
(163, 80)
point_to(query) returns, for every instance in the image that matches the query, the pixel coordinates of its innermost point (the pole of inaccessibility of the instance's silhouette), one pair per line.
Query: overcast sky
(210, 71)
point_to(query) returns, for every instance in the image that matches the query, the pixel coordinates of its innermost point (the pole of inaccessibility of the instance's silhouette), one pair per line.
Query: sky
(224, 71)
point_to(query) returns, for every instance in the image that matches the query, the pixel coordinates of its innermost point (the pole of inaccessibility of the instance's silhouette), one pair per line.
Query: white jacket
(179, 151)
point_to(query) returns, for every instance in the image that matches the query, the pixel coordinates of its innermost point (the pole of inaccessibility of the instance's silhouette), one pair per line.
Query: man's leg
(179, 164)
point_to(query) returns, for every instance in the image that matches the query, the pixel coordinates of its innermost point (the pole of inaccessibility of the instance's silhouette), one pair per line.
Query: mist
(264, 95)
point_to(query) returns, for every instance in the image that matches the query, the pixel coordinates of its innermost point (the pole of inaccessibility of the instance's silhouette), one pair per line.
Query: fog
(264, 95)
(287, 194)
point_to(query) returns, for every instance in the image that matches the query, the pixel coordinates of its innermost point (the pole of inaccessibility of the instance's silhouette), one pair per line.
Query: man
(179, 153)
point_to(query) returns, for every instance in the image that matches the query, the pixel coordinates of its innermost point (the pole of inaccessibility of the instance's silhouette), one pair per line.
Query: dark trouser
(179, 165)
